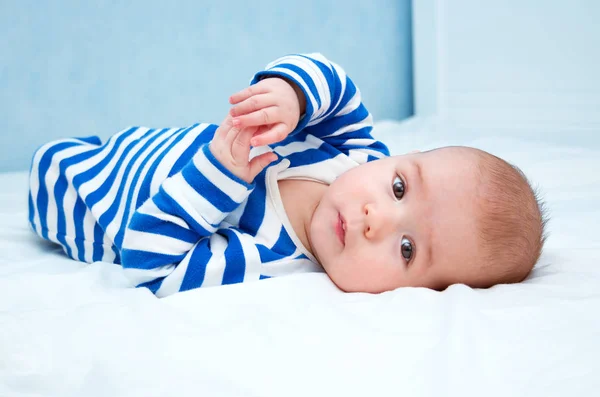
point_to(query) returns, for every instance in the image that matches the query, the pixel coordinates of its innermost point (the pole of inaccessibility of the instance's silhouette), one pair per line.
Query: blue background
(72, 68)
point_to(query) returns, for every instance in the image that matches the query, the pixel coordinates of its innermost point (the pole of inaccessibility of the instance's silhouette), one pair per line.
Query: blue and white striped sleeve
(175, 225)
(335, 112)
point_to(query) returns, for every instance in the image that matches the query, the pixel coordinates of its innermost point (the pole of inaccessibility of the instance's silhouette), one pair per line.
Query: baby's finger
(224, 127)
(240, 147)
(258, 163)
(231, 135)
(247, 92)
(264, 116)
(252, 104)
(275, 134)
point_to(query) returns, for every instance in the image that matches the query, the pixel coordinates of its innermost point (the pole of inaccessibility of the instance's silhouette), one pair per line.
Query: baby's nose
(377, 221)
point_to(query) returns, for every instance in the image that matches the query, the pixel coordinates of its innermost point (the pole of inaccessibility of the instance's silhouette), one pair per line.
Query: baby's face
(400, 221)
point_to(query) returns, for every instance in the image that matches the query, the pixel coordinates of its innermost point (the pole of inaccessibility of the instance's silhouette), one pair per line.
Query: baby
(291, 181)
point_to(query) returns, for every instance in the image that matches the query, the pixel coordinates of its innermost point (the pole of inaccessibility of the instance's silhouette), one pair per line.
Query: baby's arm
(171, 238)
(334, 110)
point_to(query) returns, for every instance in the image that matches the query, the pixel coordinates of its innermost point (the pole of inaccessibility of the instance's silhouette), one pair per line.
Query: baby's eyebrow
(418, 171)
(429, 253)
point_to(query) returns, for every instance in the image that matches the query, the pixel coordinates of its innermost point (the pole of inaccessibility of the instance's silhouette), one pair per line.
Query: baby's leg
(56, 211)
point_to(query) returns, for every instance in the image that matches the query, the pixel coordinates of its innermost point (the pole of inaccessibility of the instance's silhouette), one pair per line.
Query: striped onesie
(157, 202)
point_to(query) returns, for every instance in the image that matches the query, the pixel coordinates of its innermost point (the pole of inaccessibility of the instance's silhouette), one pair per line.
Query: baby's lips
(341, 229)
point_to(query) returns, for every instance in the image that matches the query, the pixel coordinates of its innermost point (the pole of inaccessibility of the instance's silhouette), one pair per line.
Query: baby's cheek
(346, 273)
(382, 272)
(359, 274)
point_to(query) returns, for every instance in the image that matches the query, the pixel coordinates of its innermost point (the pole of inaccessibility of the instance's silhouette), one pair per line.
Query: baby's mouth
(341, 229)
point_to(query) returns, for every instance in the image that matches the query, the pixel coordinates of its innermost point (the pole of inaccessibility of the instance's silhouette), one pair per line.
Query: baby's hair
(511, 223)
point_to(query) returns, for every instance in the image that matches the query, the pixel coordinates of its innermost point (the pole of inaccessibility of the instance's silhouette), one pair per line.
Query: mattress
(71, 329)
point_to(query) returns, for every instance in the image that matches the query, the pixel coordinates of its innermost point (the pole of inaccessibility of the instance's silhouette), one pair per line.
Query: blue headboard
(73, 68)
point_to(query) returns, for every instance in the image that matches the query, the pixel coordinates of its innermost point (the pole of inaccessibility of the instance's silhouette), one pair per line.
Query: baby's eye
(398, 188)
(406, 249)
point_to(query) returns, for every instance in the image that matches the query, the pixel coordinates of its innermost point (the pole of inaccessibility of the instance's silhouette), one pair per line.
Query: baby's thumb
(258, 163)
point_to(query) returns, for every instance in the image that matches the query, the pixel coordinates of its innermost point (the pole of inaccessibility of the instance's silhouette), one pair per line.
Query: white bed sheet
(69, 329)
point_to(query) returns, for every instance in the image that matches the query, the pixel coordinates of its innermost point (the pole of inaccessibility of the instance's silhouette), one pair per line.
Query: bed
(69, 329)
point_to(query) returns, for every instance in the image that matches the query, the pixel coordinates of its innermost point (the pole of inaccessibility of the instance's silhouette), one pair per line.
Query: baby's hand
(273, 106)
(231, 146)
